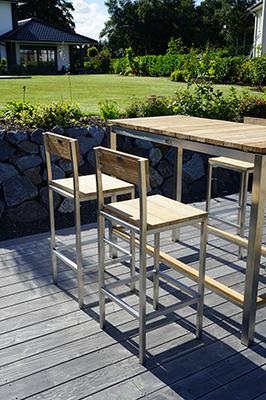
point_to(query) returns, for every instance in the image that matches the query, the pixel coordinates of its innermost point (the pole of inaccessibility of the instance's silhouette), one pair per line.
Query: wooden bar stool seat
(141, 217)
(162, 212)
(87, 186)
(231, 163)
(78, 188)
(245, 169)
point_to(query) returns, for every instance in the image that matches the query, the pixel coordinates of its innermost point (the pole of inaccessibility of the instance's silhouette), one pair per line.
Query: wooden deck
(51, 350)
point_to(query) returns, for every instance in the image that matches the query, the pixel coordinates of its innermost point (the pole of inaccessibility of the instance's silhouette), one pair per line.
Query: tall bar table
(221, 138)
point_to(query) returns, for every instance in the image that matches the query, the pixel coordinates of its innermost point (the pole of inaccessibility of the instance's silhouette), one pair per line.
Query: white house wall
(2, 52)
(263, 27)
(6, 23)
(63, 58)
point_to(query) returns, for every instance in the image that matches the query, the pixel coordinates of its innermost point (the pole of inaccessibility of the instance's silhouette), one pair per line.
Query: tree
(226, 23)
(148, 25)
(55, 12)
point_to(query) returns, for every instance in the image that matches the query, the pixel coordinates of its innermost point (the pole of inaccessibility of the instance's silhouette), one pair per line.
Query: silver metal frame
(142, 231)
(241, 218)
(55, 253)
(257, 211)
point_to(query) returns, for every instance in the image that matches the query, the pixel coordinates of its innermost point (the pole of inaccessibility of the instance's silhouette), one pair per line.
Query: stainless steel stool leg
(79, 252)
(142, 299)
(201, 282)
(113, 238)
(156, 270)
(101, 260)
(209, 188)
(242, 207)
(132, 261)
(53, 239)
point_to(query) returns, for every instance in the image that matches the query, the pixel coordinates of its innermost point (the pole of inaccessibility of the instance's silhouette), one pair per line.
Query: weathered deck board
(51, 350)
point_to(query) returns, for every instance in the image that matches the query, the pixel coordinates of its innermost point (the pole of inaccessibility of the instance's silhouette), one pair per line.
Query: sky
(89, 17)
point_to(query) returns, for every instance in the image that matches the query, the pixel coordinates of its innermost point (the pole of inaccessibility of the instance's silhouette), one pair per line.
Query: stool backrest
(129, 168)
(64, 147)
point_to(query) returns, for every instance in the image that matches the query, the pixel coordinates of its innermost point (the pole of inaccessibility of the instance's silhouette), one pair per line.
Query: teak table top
(234, 135)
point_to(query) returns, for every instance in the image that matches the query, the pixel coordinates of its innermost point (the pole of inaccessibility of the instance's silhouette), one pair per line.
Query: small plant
(109, 110)
(180, 75)
(25, 114)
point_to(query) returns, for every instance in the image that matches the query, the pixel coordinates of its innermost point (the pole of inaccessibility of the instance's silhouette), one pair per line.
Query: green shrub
(179, 75)
(149, 107)
(216, 66)
(109, 110)
(42, 115)
(253, 106)
(99, 62)
(3, 66)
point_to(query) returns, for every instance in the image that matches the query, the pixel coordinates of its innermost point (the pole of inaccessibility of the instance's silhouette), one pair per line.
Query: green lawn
(89, 90)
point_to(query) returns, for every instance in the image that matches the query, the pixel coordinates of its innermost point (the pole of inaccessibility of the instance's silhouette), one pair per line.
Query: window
(39, 57)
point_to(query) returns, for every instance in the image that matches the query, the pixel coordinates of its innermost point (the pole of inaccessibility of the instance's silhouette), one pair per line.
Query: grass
(89, 90)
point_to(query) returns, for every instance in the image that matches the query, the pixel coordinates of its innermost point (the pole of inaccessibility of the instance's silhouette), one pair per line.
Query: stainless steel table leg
(178, 173)
(209, 188)
(242, 207)
(113, 146)
(254, 250)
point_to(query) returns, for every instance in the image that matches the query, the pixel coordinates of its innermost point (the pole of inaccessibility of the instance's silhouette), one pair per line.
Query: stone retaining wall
(23, 177)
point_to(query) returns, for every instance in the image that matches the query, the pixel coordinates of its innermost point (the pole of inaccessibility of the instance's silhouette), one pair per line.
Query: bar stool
(144, 216)
(245, 169)
(79, 189)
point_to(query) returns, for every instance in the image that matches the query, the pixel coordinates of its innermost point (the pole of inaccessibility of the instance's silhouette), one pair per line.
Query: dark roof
(33, 30)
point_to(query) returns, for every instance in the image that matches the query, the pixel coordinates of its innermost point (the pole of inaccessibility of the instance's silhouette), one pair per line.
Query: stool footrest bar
(174, 307)
(65, 260)
(116, 246)
(120, 302)
(178, 284)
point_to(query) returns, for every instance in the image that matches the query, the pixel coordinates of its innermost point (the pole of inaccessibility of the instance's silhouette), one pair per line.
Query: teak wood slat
(231, 163)
(161, 212)
(87, 186)
(120, 165)
(193, 273)
(234, 135)
(59, 145)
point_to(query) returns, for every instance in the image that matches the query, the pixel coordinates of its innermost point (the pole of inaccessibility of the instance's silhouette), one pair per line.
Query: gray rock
(165, 169)
(97, 133)
(168, 187)
(44, 198)
(28, 162)
(6, 151)
(155, 178)
(2, 134)
(58, 130)
(37, 136)
(194, 168)
(75, 132)
(66, 165)
(18, 189)
(57, 173)
(15, 137)
(28, 147)
(170, 155)
(30, 211)
(155, 156)
(7, 171)
(54, 157)
(91, 159)
(86, 144)
(67, 206)
(2, 207)
(143, 144)
(34, 175)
